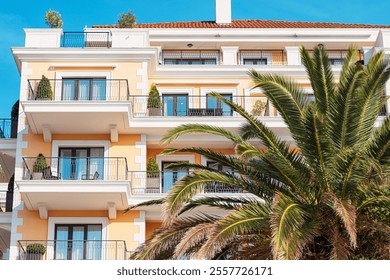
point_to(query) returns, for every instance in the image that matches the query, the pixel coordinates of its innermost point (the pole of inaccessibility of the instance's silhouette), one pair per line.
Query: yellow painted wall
(33, 228)
(150, 228)
(122, 228)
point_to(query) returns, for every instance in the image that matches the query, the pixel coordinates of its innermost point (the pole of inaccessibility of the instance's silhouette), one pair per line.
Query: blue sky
(18, 14)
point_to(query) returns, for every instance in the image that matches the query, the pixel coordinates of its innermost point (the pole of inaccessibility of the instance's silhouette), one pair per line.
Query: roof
(249, 24)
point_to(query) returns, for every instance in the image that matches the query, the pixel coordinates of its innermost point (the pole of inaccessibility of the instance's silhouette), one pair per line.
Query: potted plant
(154, 101)
(127, 20)
(14, 119)
(44, 91)
(35, 251)
(153, 176)
(258, 108)
(39, 167)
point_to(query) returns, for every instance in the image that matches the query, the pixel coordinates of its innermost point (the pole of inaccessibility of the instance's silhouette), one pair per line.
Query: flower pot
(154, 111)
(37, 176)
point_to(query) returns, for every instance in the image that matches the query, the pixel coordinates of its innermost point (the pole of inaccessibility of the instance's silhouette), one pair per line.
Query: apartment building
(87, 128)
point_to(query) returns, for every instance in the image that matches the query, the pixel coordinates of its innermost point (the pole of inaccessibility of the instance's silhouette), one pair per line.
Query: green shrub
(53, 19)
(152, 167)
(127, 20)
(44, 90)
(154, 100)
(258, 108)
(36, 248)
(40, 164)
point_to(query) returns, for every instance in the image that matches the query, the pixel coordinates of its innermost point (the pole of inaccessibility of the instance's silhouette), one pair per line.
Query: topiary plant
(44, 90)
(36, 248)
(152, 168)
(154, 100)
(127, 20)
(258, 108)
(53, 19)
(40, 164)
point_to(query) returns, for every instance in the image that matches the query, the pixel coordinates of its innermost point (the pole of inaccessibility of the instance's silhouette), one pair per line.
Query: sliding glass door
(170, 176)
(175, 104)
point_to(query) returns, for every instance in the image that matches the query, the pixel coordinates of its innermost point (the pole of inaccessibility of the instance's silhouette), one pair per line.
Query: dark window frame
(76, 86)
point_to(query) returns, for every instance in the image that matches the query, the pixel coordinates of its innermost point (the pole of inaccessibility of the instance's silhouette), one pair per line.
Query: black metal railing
(383, 111)
(262, 57)
(8, 128)
(196, 57)
(201, 106)
(75, 168)
(6, 200)
(72, 250)
(336, 57)
(82, 89)
(159, 182)
(86, 39)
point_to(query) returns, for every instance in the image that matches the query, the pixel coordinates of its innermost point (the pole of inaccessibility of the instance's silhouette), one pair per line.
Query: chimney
(223, 11)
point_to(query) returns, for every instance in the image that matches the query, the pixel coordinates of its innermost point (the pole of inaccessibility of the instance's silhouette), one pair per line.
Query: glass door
(78, 242)
(170, 177)
(175, 104)
(219, 107)
(81, 163)
(84, 89)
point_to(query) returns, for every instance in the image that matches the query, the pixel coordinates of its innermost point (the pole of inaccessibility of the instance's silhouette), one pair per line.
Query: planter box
(37, 176)
(154, 111)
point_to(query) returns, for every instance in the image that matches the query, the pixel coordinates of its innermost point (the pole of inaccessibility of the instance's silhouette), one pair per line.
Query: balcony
(75, 183)
(6, 199)
(8, 128)
(95, 104)
(86, 40)
(201, 106)
(72, 250)
(262, 57)
(181, 57)
(156, 183)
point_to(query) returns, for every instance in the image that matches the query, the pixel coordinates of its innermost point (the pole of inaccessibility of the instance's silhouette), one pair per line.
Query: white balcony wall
(129, 38)
(43, 37)
(293, 56)
(229, 55)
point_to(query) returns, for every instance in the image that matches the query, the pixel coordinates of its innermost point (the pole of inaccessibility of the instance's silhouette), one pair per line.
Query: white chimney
(223, 11)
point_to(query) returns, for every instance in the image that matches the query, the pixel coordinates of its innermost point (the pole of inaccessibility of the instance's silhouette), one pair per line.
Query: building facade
(87, 127)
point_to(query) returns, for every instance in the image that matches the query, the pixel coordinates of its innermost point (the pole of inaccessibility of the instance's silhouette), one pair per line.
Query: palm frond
(185, 129)
(288, 218)
(146, 203)
(250, 218)
(347, 214)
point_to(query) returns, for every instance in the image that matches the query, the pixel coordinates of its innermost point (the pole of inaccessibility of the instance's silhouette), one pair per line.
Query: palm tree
(325, 199)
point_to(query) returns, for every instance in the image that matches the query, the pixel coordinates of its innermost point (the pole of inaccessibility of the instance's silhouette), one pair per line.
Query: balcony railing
(155, 182)
(75, 168)
(82, 89)
(200, 106)
(6, 199)
(72, 250)
(180, 57)
(336, 57)
(262, 57)
(8, 128)
(86, 40)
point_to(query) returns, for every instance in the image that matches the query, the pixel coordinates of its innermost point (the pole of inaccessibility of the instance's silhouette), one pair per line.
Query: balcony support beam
(43, 213)
(46, 133)
(114, 133)
(111, 210)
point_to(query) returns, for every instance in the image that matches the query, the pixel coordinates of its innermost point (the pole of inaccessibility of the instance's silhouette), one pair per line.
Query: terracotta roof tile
(249, 24)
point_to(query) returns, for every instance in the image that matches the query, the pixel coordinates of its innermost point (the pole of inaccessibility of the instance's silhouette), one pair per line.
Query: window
(190, 61)
(81, 163)
(175, 104)
(78, 242)
(255, 61)
(169, 176)
(84, 89)
(336, 61)
(219, 107)
(219, 187)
